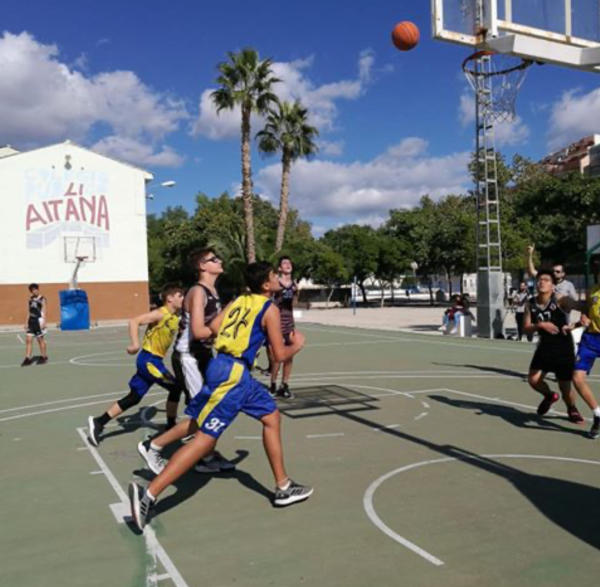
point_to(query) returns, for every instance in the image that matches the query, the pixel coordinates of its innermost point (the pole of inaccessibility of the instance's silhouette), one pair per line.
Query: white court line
(327, 435)
(421, 415)
(153, 546)
(63, 408)
(60, 401)
(248, 437)
(20, 338)
(372, 514)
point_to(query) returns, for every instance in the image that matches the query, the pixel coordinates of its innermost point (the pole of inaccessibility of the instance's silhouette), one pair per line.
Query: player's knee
(534, 379)
(578, 377)
(272, 420)
(130, 400)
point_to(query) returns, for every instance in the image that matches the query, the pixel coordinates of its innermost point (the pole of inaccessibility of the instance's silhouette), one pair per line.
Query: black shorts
(559, 360)
(34, 327)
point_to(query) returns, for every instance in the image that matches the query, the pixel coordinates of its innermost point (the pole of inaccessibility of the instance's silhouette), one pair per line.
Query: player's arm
(530, 266)
(135, 323)
(216, 322)
(272, 324)
(43, 313)
(196, 307)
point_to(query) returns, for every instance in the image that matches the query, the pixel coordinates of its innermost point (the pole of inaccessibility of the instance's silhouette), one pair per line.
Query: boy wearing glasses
(192, 352)
(562, 287)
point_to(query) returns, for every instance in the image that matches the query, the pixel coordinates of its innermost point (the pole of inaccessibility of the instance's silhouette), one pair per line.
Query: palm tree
(287, 130)
(246, 81)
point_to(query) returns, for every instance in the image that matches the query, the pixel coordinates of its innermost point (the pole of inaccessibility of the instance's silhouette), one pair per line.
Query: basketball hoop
(507, 74)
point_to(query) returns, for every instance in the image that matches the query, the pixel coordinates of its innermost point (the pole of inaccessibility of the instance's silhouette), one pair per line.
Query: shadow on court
(511, 415)
(488, 369)
(189, 484)
(572, 506)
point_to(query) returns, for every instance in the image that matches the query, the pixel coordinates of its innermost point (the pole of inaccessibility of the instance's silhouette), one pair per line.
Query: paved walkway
(408, 318)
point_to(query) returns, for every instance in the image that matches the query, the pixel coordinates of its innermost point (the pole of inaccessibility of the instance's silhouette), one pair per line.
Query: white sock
(150, 496)
(285, 485)
(155, 447)
(597, 411)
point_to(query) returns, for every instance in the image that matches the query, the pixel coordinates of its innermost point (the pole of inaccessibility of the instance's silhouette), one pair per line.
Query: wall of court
(62, 201)
(108, 301)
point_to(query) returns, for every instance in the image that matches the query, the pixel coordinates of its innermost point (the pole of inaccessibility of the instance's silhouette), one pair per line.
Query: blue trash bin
(74, 310)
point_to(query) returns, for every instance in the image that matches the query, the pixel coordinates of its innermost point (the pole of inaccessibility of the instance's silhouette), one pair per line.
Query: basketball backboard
(563, 32)
(76, 247)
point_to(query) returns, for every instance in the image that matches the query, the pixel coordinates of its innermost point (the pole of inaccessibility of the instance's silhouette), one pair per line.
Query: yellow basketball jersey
(159, 336)
(241, 334)
(593, 312)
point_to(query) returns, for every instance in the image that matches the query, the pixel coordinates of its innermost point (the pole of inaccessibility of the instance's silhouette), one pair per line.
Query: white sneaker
(152, 457)
(293, 494)
(453, 331)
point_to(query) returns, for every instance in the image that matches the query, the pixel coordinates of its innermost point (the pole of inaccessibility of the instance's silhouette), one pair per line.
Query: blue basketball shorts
(150, 370)
(588, 351)
(228, 390)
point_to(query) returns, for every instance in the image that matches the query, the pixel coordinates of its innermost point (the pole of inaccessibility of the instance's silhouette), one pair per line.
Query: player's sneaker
(546, 403)
(273, 389)
(94, 430)
(26, 362)
(151, 456)
(214, 463)
(42, 360)
(141, 505)
(284, 392)
(574, 415)
(595, 429)
(294, 493)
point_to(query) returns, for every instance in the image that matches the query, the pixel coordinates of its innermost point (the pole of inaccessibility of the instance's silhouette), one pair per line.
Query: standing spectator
(36, 326)
(518, 302)
(562, 287)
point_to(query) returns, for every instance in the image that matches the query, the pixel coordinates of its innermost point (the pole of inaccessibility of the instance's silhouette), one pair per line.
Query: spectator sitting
(451, 317)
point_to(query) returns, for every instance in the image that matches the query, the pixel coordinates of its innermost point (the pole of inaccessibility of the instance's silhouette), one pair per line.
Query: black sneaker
(273, 390)
(546, 403)
(595, 429)
(294, 493)
(284, 392)
(42, 360)
(141, 505)
(26, 362)
(94, 430)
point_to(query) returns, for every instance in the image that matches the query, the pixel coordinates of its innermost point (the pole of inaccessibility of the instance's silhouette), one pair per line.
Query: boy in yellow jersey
(163, 324)
(229, 388)
(587, 353)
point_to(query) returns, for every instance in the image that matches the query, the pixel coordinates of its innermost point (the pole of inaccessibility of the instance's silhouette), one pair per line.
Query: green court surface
(429, 464)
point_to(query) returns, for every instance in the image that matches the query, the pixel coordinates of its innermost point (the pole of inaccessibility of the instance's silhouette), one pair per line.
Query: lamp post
(163, 184)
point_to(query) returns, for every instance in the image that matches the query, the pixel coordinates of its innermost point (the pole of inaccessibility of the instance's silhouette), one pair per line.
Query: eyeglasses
(557, 272)
(213, 259)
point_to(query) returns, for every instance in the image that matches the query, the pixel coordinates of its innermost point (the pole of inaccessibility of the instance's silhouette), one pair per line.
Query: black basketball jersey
(36, 304)
(551, 312)
(184, 341)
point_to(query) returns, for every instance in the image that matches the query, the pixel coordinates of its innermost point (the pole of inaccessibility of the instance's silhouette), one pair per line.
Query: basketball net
(506, 76)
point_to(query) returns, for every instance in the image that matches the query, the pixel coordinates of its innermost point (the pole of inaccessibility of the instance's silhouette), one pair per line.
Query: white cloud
(43, 100)
(331, 148)
(129, 149)
(573, 116)
(512, 133)
(367, 190)
(294, 85)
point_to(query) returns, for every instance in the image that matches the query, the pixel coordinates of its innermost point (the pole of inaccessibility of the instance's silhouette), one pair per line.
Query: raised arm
(530, 266)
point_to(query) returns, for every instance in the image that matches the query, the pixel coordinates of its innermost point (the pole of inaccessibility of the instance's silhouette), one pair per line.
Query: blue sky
(133, 79)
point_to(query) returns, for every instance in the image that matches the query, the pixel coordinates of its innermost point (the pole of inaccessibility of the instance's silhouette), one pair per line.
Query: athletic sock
(597, 411)
(104, 419)
(285, 485)
(155, 447)
(150, 496)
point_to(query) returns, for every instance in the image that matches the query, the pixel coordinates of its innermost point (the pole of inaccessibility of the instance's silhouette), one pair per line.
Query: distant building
(582, 156)
(62, 202)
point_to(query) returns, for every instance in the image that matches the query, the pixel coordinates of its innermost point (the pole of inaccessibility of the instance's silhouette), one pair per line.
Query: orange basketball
(405, 35)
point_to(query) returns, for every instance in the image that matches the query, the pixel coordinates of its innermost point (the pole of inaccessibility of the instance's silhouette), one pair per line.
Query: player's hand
(585, 321)
(132, 349)
(548, 327)
(298, 339)
(530, 249)
(567, 328)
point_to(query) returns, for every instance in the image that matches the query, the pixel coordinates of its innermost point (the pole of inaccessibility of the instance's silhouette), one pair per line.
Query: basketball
(405, 35)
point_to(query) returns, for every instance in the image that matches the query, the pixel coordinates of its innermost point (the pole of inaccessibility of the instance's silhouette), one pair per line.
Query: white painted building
(62, 202)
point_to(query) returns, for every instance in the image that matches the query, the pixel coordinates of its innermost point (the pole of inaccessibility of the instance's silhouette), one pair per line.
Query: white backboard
(564, 32)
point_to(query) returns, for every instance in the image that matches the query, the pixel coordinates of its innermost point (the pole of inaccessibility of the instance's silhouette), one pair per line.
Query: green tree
(246, 81)
(328, 268)
(392, 260)
(359, 247)
(288, 132)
